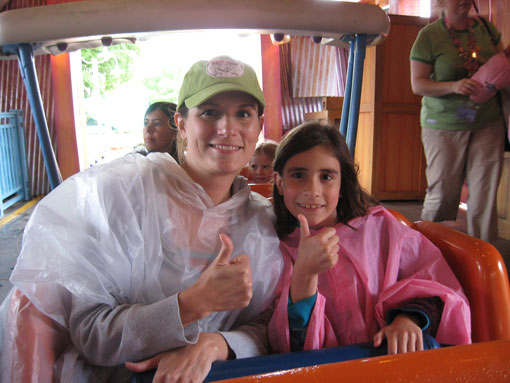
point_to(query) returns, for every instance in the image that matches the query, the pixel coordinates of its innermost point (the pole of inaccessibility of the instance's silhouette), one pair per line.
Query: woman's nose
(227, 126)
(148, 128)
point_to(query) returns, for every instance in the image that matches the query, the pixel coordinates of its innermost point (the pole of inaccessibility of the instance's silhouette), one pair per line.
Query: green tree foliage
(165, 86)
(105, 67)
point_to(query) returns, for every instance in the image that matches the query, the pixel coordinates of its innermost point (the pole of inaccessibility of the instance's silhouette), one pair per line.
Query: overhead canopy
(83, 24)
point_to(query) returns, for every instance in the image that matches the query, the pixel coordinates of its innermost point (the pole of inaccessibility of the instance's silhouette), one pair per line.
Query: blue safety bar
(352, 94)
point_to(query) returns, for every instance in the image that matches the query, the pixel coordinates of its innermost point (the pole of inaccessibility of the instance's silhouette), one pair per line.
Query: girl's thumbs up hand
(319, 252)
(316, 253)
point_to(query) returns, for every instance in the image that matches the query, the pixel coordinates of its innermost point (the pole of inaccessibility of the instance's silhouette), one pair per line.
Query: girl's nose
(312, 187)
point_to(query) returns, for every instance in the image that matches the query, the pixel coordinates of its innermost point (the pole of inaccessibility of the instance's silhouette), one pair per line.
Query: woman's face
(157, 134)
(456, 8)
(220, 134)
(261, 168)
(310, 185)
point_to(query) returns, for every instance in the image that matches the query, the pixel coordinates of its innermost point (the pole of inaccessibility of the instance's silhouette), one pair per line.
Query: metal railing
(13, 163)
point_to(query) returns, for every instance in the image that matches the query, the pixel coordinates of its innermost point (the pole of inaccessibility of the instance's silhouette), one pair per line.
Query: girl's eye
(326, 177)
(254, 166)
(297, 175)
(267, 167)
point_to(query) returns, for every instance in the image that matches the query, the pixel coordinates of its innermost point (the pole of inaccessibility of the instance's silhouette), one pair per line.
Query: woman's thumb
(145, 365)
(226, 249)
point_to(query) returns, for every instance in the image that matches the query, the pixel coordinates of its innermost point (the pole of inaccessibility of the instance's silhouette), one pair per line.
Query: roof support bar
(28, 73)
(347, 93)
(352, 96)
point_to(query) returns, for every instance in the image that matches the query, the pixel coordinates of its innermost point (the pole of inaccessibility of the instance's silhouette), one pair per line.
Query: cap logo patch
(222, 67)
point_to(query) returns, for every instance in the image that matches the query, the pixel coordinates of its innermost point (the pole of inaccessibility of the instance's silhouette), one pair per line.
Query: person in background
(152, 264)
(463, 141)
(352, 272)
(261, 163)
(159, 129)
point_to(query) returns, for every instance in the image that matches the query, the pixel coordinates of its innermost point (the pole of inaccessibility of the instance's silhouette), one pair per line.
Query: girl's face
(261, 167)
(310, 185)
(221, 134)
(157, 134)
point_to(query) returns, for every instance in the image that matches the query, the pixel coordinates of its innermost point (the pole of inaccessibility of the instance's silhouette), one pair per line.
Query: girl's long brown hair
(353, 202)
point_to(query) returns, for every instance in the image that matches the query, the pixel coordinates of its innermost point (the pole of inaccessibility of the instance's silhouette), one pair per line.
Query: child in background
(261, 163)
(352, 272)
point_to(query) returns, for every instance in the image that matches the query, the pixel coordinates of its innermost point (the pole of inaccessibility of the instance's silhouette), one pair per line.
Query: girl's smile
(310, 185)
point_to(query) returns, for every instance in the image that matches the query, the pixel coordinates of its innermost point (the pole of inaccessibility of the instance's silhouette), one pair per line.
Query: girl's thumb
(304, 230)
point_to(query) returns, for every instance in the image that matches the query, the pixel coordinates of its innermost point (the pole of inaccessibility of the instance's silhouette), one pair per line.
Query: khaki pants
(454, 156)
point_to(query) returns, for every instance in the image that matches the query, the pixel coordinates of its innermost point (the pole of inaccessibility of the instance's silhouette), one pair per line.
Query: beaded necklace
(470, 55)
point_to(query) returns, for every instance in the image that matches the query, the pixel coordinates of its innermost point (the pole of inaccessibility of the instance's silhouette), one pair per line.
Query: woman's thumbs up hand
(224, 285)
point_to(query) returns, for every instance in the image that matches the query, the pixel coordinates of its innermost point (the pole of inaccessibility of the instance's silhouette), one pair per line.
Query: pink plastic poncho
(381, 265)
(129, 233)
(494, 75)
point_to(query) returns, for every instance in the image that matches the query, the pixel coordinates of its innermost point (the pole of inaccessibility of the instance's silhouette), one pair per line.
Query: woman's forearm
(106, 335)
(431, 88)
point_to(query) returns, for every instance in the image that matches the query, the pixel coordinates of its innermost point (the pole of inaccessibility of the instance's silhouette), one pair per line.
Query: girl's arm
(424, 86)
(316, 254)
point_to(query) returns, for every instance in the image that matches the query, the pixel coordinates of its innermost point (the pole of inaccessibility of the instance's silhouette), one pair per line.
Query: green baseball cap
(206, 79)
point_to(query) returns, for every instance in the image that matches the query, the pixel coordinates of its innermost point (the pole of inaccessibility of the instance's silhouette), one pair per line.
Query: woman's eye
(326, 177)
(244, 114)
(209, 113)
(296, 175)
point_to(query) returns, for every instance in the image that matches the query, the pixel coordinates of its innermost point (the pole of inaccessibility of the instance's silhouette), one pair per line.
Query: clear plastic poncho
(138, 230)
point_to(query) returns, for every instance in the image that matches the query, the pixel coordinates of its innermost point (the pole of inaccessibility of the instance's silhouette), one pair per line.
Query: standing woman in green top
(462, 140)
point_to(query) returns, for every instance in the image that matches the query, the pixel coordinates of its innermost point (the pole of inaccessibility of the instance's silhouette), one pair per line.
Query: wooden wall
(388, 146)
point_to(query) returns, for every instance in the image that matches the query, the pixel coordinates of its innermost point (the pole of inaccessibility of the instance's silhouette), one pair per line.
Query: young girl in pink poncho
(352, 272)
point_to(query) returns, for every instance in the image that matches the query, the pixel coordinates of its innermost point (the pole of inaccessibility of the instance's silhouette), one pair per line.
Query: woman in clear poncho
(144, 263)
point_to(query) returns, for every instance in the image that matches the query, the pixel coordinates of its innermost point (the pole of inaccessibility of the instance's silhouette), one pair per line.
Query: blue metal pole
(27, 68)
(359, 57)
(347, 93)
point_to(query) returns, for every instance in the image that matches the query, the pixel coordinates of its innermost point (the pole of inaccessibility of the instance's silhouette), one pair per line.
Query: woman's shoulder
(433, 27)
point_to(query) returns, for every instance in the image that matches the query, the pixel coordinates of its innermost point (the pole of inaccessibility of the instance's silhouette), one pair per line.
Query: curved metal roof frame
(69, 26)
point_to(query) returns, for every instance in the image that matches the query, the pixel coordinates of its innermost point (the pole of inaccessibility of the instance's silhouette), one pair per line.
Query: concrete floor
(14, 221)
(11, 233)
